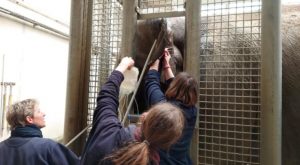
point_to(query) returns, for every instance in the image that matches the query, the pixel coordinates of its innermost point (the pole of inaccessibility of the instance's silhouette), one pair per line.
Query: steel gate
(229, 66)
(229, 122)
(106, 38)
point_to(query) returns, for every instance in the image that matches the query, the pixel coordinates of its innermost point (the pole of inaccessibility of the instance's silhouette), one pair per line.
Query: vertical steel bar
(271, 83)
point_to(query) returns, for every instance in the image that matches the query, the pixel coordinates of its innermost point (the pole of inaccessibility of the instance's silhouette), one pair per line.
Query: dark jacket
(29, 148)
(179, 152)
(107, 132)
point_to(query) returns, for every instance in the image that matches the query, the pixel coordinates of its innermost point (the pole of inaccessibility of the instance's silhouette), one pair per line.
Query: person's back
(26, 144)
(182, 91)
(179, 152)
(34, 151)
(110, 143)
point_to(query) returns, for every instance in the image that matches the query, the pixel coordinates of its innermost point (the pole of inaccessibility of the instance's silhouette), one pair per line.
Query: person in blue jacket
(26, 144)
(110, 142)
(182, 91)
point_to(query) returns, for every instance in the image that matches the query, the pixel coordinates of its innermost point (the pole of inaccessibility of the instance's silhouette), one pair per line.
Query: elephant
(246, 44)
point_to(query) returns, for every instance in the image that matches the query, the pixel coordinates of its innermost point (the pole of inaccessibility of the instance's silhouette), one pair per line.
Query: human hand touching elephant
(126, 63)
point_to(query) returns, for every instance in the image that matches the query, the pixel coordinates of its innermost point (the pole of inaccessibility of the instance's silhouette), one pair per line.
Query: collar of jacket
(27, 131)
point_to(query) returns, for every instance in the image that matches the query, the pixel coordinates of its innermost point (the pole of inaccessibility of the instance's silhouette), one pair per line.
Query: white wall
(37, 62)
(290, 1)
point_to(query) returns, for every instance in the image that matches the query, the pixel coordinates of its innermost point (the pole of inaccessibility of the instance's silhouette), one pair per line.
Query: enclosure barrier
(239, 110)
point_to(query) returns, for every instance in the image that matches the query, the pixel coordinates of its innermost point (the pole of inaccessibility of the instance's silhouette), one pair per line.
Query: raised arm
(105, 119)
(153, 91)
(168, 73)
(108, 98)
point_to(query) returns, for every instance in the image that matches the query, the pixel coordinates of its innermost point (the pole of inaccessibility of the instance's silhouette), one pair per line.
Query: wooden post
(78, 72)
(129, 27)
(191, 59)
(127, 46)
(271, 83)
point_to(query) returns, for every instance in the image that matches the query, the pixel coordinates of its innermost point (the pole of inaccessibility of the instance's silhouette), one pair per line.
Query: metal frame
(215, 81)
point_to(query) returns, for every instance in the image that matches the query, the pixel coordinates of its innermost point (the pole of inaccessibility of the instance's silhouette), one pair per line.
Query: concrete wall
(37, 62)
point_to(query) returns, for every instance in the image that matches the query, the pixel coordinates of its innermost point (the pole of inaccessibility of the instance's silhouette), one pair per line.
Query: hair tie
(146, 142)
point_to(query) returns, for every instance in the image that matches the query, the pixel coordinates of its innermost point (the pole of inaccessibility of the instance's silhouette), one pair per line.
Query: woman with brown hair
(111, 143)
(182, 91)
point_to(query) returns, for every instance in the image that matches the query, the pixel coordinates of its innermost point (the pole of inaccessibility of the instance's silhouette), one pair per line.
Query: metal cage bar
(106, 43)
(229, 70)
(230, 82)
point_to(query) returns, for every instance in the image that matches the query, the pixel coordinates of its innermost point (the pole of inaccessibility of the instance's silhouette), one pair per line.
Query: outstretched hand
(126, 63)
(167, 57)
(168, 73)
(155, 65)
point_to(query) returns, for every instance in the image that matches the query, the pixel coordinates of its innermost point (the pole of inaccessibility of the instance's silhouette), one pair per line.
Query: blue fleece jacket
(107, 133)
(179, 152)
(27, 147)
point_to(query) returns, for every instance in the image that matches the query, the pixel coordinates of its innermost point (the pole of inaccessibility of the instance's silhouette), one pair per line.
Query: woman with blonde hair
(26, 144)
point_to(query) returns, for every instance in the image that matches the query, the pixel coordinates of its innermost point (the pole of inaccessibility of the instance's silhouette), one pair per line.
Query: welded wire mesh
(229, 125)
(106, 43)
(160, 6)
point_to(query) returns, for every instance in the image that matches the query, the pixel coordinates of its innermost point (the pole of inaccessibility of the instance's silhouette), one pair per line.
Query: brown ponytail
(161, 128)
(133, 153)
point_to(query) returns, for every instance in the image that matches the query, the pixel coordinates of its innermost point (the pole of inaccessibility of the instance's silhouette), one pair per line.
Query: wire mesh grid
(229, 123)
(160, 6)
(106, 42)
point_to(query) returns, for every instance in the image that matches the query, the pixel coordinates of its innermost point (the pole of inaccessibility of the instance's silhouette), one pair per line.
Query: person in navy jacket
(181, 91)
(109, 142)
(26, 145)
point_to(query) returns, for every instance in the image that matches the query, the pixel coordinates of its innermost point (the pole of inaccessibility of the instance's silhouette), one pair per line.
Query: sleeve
(108, 99)
(153, 91)
(166, 84)
(107, 130)
(60, 155)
